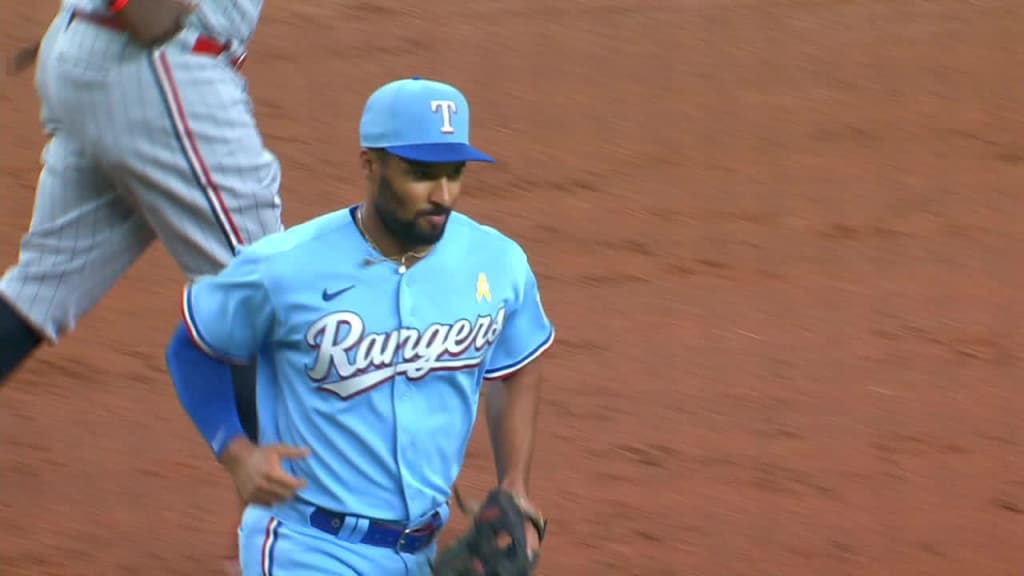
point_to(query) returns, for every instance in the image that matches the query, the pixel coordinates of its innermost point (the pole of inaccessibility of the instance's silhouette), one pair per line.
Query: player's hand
(153, 22)
(256, 471)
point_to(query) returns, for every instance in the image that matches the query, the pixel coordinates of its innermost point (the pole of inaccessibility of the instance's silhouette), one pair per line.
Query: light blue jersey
(377, 372)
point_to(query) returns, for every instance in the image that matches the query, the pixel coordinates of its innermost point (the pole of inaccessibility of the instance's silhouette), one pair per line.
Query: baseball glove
(495, 544)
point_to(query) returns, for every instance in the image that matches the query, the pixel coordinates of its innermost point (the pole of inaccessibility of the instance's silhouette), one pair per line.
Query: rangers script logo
(362, 362)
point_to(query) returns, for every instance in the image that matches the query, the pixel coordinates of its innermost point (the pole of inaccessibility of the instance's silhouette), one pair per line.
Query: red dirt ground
(768, 233)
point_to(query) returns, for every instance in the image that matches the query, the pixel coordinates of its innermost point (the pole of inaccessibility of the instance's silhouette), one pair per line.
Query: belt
(202, 45)
(379, 532)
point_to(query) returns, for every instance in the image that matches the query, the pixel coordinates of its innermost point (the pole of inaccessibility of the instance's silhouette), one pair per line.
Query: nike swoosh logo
(328, 296)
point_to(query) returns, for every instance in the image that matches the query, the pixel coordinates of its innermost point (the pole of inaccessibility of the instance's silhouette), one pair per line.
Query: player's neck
(383, 241)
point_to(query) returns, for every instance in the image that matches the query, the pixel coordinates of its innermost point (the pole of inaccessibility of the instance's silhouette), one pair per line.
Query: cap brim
(439, 153)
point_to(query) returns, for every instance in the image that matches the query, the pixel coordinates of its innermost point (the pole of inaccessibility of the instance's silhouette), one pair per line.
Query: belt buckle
(401, 539)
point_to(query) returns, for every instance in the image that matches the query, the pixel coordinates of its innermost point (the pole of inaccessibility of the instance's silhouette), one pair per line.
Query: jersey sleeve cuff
(196, 335)
(503, 372)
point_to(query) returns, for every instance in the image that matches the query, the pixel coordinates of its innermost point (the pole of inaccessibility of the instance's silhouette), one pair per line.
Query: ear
(367, 163)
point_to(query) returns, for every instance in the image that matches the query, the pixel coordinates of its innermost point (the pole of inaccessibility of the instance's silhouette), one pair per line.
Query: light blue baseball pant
(287, 544)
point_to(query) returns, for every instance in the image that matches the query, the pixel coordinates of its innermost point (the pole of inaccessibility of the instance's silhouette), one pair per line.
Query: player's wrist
(515, 486)
(236, 452)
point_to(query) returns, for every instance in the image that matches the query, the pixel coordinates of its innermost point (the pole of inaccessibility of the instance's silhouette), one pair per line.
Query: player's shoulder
(486, 239)
(315, 234)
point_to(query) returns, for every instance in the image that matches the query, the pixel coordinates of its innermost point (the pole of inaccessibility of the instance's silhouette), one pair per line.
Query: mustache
(435, 211)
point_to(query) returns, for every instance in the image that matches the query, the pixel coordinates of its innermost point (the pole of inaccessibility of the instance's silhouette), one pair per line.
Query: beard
(417, 231)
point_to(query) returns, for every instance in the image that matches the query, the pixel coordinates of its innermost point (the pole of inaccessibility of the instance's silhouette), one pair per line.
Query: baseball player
(375, 327)
(151, 136)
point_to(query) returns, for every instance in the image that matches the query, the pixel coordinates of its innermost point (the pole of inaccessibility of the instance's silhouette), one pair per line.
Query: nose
(441, 193)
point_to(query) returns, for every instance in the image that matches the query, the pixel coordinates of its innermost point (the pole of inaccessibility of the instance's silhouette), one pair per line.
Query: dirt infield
(778, 239)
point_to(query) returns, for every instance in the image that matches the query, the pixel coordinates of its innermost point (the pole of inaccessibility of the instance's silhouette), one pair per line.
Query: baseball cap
(419, 120)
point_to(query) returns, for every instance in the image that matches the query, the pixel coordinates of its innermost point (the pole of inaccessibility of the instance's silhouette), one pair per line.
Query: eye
(422, 173)
(428, 172)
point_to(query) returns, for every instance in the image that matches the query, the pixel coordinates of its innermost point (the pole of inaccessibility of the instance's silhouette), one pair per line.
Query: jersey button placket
(400, 390)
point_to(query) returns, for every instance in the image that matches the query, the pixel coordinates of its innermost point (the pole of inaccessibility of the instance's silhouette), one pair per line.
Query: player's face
(413, 200)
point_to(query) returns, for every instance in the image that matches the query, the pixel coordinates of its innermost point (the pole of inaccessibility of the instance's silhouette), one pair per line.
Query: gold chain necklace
(399, 260)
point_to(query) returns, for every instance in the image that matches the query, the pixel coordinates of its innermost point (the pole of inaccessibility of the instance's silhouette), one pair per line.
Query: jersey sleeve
(229, 315)
(526, 334)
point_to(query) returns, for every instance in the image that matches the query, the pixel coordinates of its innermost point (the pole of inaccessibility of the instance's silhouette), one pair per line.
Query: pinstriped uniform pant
(144, 145)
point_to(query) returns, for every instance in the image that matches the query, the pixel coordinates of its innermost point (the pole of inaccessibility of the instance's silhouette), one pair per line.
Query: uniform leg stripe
(195, 159)
(269, 542)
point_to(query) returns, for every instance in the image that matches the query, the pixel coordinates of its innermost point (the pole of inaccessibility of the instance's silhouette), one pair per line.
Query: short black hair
(380, 154)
